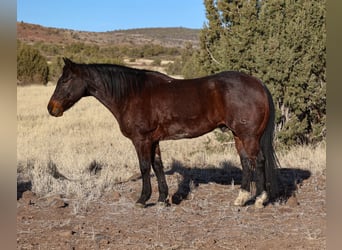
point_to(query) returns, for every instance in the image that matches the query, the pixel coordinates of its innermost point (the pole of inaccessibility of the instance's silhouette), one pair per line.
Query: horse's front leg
(159, 171)
(143, 148)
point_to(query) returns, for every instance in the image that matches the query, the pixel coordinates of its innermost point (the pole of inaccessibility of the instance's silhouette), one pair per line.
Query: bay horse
(150, 106)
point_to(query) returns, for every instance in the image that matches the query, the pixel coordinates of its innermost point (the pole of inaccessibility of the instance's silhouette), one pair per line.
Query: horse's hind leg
(244, 193)
(260, 182)
(159, 171)
(252, 160)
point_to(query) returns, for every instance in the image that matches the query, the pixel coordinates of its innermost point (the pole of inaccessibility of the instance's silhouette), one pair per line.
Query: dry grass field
(83, 159)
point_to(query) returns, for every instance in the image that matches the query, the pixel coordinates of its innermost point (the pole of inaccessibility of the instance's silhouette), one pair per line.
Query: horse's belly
(189, 129)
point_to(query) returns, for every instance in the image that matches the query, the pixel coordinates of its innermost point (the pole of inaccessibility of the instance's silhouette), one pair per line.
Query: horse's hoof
(163, 204)
(140, 205)
(242, 198)
(260, 200)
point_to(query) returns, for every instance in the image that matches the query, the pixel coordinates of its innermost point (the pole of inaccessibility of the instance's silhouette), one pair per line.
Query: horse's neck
(106, 99)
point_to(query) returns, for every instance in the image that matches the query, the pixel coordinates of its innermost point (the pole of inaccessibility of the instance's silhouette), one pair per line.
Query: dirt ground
(202, 215)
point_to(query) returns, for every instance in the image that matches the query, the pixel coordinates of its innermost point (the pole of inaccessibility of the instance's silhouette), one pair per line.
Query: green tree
(209, 38)
(31, 65)
(282, 43)
(291, 59)
(190, 68)
(187, 65)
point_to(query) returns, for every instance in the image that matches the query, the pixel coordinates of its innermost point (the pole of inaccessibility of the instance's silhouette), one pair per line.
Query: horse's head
(69, 89)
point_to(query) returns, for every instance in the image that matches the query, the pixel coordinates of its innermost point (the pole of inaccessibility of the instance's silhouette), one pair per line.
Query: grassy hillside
(158, 45)
(169, 37)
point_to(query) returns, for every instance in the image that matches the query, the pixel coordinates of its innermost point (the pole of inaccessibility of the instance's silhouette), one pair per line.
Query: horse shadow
(228, 173)
(23, 186)
(23, 181)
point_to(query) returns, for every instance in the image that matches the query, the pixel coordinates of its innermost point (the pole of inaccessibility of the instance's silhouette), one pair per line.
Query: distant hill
(169, 37)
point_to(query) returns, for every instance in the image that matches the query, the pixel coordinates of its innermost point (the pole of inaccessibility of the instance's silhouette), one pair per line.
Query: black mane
(120, 81)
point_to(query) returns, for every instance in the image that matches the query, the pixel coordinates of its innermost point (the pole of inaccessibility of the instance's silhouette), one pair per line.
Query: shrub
(31, 65)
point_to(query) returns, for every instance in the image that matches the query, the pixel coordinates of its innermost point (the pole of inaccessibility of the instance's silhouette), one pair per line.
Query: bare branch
(212, 57)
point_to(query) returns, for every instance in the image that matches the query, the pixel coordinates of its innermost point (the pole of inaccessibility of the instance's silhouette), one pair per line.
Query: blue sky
(106, 15)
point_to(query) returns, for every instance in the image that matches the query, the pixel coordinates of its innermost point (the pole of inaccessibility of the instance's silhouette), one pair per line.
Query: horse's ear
(71, 65)
(67, 61)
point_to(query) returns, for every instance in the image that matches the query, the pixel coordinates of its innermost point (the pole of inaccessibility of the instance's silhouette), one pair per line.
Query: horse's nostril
(55, 109)
(49, 107)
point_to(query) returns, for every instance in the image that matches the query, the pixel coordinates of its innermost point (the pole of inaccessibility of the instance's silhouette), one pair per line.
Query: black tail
(270, 157)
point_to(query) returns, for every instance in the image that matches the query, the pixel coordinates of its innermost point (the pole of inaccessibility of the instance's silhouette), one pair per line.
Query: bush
(156, 62)
(31, 65)
(55, 68)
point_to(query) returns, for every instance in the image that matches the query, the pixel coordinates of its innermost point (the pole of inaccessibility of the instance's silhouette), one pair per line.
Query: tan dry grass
(88, 135)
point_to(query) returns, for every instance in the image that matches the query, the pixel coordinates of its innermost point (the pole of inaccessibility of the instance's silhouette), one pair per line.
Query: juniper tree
(282, 43)
(291, 59)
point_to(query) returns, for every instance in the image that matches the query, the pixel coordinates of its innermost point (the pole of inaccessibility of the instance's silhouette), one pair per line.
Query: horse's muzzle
(55, 108)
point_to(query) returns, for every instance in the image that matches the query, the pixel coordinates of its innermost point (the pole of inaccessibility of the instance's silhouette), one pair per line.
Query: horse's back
(193, 107)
